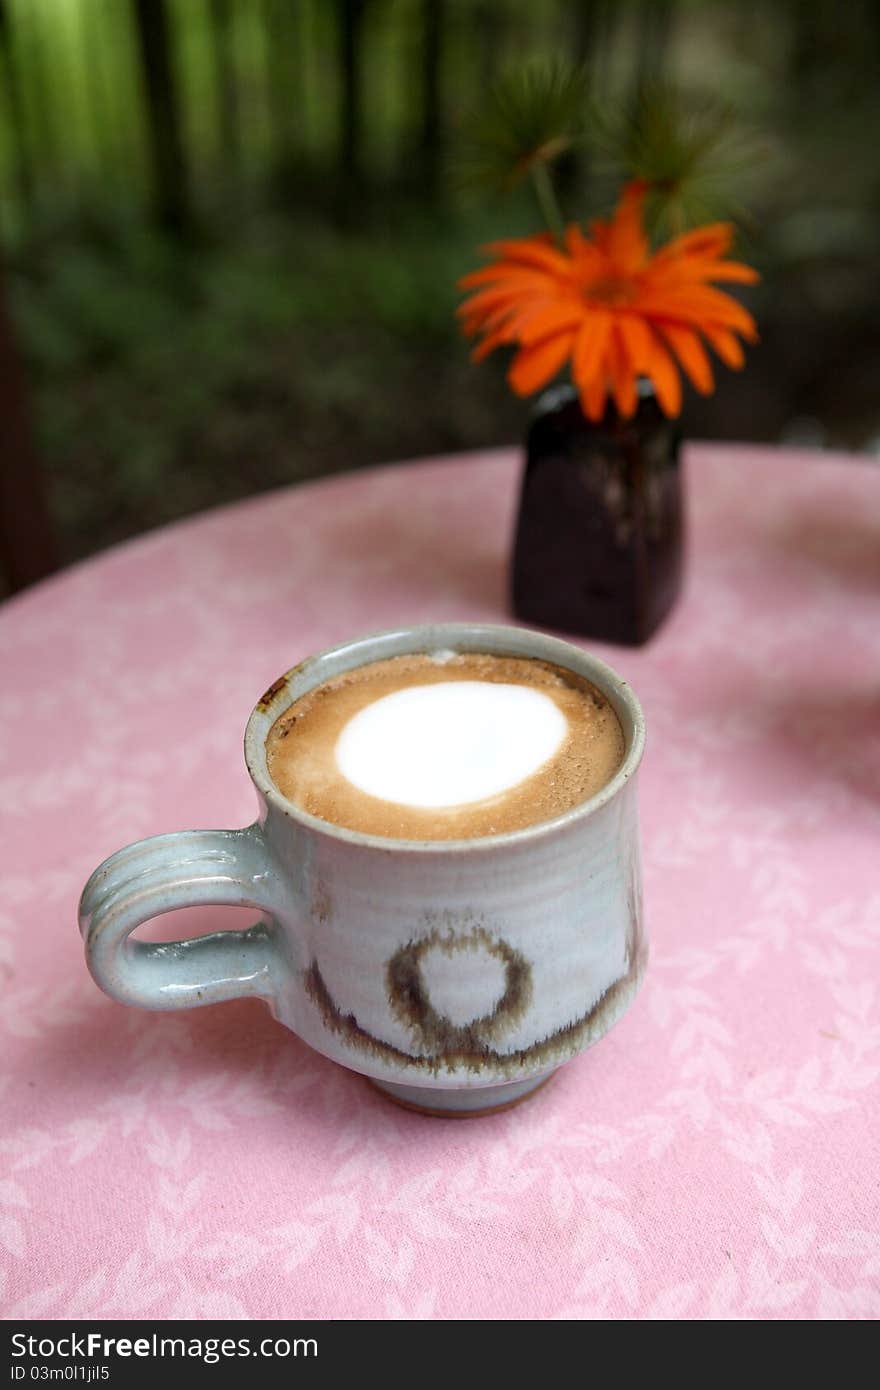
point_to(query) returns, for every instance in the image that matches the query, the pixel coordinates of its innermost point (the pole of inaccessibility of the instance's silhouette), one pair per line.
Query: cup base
(468, 1103)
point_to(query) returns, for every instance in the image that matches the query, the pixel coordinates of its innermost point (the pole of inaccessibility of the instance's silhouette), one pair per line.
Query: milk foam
(450, 743)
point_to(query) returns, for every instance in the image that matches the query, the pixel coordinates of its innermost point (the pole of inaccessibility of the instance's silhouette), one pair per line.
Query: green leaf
(532, 115)
(691, 150)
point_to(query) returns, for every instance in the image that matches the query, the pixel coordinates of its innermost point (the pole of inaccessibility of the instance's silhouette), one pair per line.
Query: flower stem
(547, 201)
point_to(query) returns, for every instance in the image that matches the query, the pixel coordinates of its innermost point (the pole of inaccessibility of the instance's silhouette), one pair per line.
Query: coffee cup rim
(504, 640)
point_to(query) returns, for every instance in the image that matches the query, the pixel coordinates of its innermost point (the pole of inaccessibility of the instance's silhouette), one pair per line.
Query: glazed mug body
(456, 975)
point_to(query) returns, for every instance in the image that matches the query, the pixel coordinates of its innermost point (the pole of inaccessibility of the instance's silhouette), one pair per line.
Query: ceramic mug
(456, 974)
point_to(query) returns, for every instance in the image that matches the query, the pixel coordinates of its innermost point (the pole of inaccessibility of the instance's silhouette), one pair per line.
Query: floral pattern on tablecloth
(716, 1156)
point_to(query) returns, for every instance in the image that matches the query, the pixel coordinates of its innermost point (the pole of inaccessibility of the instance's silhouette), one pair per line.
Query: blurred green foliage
(278, 301)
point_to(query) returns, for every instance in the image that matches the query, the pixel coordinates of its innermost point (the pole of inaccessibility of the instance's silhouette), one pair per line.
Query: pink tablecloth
(715, 1156)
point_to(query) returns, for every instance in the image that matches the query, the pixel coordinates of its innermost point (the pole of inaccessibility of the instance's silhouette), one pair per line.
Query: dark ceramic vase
(599, 537)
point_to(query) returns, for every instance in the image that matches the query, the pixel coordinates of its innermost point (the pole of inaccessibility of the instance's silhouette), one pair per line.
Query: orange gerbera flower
(612, 309)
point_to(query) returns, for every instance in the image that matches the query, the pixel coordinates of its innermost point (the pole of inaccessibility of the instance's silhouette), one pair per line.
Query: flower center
(612, 290)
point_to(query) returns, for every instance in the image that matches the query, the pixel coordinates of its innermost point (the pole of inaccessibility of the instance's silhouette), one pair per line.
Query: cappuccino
(445, 746)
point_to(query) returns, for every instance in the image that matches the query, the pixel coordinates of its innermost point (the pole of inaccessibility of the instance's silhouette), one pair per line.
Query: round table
(714, 1156)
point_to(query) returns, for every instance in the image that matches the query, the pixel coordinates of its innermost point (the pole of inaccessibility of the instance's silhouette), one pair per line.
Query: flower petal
(532, 251)
(534, 366)
(538, 323)
(498, 337)
(592, 398)
(585, 255)
(488, 327)
(623, 376)
(636, 340)
(506, 272)
(625, 240)
(487, 301)
(709, 240)
(588, 357)
(575, 241)
(726, 345)
(694, 270)
(736, 273)
(691, 354)
(529, 323)
(663, 372)
(698, 305)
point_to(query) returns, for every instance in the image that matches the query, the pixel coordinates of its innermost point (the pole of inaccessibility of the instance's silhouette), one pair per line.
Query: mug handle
(183, 869)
